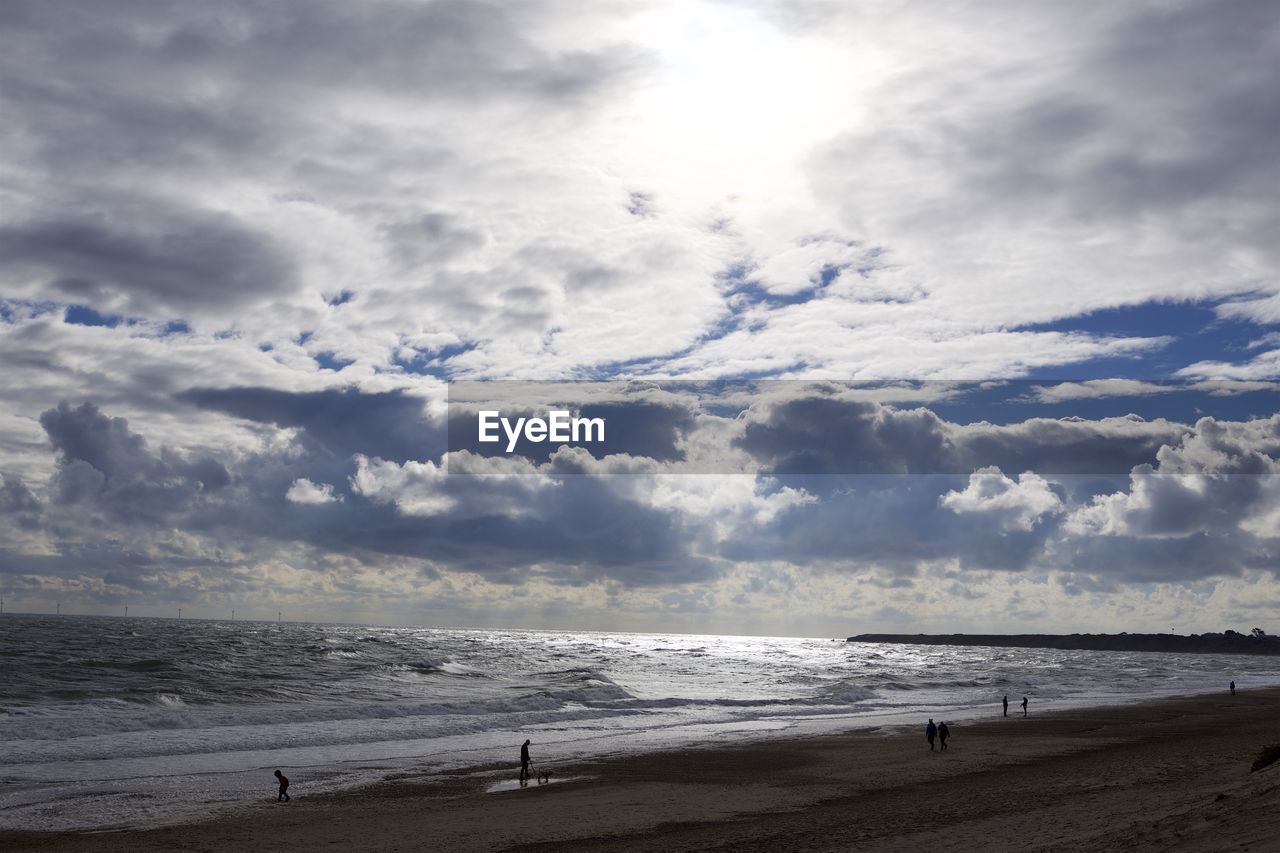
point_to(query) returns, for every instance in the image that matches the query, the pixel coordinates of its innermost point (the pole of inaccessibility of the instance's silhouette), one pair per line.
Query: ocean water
(108, 722)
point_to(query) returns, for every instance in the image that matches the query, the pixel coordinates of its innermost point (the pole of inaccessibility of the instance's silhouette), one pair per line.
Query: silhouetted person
(1024, 706)
(931, 731)
(1006, 706)
(284, 787)
(1233, 688)
(524, 761)
(943, 734)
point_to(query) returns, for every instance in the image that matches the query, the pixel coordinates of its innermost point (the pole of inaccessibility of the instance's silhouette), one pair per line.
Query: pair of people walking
(940, 731)
(1005, 702)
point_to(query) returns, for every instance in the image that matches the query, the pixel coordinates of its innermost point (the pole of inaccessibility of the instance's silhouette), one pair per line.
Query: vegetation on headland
(1256, 642)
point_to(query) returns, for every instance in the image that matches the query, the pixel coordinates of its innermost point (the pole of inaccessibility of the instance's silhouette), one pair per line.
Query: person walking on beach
(524, 761)
(1024, 706)
(1006, 706)
(943, 734)
(931, 731)
(284, 787)
(1233, 688)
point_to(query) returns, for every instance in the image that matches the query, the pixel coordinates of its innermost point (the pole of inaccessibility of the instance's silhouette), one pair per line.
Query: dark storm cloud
(138, 260)
(15, 496)
(104, 464)
(816, 435)
(823, 435)
(1067, 446)
(570, 530)
(577, 531)
(390, 425)
(1166, 559)
(110, 484)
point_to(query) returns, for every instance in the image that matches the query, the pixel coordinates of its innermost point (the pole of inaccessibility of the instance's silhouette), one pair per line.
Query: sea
(117, 722)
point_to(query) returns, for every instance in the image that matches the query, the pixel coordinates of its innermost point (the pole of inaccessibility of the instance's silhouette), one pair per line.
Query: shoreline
(1092, 777)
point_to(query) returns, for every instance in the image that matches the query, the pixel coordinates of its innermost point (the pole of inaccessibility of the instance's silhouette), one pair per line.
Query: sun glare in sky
(735, 102)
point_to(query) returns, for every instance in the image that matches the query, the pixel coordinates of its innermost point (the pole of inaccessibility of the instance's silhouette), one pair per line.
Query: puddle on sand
(516, 785)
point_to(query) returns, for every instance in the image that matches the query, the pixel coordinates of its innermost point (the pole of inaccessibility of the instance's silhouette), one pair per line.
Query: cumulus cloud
(104, 463)
(1012, 505)
(1219, 479)
(413, 488)
(303, 491)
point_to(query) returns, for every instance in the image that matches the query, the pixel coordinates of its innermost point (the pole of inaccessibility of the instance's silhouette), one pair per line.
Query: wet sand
(1166, 775)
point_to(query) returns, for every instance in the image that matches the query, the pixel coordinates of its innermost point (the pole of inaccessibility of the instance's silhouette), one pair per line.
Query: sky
(994, 288)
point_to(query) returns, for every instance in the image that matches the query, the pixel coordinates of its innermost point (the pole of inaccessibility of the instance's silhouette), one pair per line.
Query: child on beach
(284, 787)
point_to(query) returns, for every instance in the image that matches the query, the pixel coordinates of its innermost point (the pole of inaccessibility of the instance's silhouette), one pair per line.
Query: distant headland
(1227, 643)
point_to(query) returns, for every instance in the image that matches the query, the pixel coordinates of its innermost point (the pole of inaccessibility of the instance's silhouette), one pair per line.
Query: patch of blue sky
(83, 315)
(12, 309)
(1195, 333)
(433, 362)
(743, 292)
(330, 361)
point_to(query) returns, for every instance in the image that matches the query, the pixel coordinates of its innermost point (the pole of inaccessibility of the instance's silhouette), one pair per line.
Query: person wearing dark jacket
(943, 734)
(931, 731)
(524, 761)
(284, 787)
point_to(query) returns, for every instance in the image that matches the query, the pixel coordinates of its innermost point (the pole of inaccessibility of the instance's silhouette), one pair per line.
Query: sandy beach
(1164, 775)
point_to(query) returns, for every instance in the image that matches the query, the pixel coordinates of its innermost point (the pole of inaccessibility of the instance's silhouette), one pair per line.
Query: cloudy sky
(246, 248)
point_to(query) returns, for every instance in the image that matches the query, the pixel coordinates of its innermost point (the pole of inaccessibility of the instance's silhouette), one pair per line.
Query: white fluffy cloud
(414, 488)
(1220, 478)
(1013, 505)
(303, 491)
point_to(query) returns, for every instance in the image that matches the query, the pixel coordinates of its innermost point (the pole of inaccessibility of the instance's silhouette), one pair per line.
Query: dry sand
(1171, 775)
